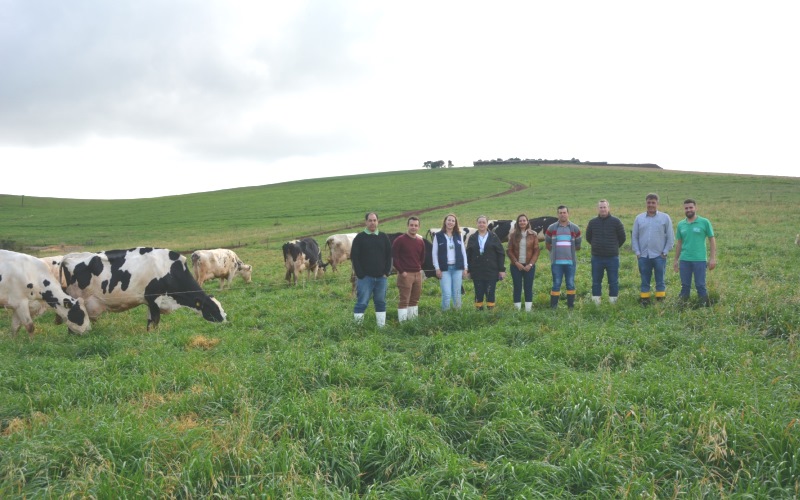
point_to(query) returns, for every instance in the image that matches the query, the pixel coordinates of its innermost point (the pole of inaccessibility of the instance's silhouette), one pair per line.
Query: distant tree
(449, 164)
(433, 164)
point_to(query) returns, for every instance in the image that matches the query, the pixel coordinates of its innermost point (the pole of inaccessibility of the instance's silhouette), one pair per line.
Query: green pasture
(291, 399)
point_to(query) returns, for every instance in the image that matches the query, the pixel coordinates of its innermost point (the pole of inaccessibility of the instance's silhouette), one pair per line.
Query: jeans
(560, 272)
(367, 287)
(485, 289)
(601, 265)
(522, 280)
(698, 269)
(451, 282)
(646, 269)
(409, 288)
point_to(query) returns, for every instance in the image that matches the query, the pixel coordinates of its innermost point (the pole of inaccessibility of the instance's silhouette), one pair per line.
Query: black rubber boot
(570, 300)
(554, 301)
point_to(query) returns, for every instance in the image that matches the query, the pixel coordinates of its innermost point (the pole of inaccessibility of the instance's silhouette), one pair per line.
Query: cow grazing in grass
(118, 280)
(302, 255)
(28, 288)
(339, 249)
(219, 263)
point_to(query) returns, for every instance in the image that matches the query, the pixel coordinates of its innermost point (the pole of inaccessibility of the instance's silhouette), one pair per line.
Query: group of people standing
(482, 258)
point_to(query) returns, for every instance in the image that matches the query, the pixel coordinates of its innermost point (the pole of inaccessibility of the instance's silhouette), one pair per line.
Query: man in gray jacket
(606, 234)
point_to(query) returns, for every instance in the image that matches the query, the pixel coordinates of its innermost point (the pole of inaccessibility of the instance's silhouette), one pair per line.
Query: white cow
(219, 263)
(28, 287)
(339, 248)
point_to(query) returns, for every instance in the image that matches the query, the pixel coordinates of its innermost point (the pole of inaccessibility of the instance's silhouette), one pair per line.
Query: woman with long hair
(450, 261)
(523, 251)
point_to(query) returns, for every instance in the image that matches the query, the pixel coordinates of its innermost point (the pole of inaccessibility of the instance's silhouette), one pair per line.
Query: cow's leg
(22, 317)
(153, 314)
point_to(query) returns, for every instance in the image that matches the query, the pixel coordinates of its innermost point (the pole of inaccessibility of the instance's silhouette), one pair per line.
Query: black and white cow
(28, 287)
(427, 266)
(302, 255)
(504, 227)
(466, 232)
(118, 280)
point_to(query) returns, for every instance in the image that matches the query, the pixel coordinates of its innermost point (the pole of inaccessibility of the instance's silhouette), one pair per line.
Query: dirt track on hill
(515, 188)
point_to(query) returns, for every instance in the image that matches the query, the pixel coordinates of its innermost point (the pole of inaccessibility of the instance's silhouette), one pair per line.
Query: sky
(150, 98)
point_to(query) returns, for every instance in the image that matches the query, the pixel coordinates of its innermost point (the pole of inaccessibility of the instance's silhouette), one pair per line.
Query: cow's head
(212, 310)
(245, 270)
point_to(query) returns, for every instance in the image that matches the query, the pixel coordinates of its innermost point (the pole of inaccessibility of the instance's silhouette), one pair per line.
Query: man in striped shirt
(563, 240)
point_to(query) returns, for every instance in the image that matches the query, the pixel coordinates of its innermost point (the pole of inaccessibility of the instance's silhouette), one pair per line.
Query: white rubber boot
(402, 315)
(358, 317)
(380, 318)
(528, 306)
(596, 300)
(413, 312)
(518, 305)
(613, 300)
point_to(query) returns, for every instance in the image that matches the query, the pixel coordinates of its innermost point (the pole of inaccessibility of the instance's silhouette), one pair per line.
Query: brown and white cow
(339, 248)
(118, 280)
(302, 255)
(219, 263)
(28, 287)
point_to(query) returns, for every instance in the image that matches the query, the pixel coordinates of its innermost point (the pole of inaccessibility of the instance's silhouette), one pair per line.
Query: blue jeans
(484, 289)
(600, 266)
(522, 280)
(367, 287)
(687, 270)
(647, 267)
(451, 282)
(561, 272)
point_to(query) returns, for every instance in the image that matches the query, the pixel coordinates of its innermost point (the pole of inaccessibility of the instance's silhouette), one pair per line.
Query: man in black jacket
(606, 235)
(371, 255)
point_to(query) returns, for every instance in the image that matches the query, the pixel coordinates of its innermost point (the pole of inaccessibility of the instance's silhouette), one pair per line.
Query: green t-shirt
(693, 238)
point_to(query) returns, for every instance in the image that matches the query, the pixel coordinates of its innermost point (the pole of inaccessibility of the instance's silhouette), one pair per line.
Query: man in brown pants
(408, 256)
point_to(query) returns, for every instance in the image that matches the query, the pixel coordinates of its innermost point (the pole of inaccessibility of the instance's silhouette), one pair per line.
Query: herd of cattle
(80, 286)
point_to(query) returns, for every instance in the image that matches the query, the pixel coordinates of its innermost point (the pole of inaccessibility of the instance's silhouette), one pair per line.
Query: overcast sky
(145, 98)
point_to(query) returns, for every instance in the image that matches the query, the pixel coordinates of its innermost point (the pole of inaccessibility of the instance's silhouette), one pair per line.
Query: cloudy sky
(145, 98)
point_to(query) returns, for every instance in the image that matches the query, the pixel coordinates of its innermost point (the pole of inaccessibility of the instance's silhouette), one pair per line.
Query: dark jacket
(491, 263)
(371, 255)
(605, 235)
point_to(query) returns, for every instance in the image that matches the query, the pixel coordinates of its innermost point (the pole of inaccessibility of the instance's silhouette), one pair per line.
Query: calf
(118, 280)
(28, 287)
(339, 248)
(300, 255)
(219, 263)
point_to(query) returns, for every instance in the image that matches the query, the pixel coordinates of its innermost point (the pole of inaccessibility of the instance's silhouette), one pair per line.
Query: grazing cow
(300, 255)
(118, 280)
(339, 248)
(28, 287)
(219, 263)
(54, 264)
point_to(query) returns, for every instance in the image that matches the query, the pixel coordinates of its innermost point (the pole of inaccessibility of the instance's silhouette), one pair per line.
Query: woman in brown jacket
(523, 250)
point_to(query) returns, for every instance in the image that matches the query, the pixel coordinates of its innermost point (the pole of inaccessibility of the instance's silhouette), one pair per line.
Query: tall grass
(291, 399)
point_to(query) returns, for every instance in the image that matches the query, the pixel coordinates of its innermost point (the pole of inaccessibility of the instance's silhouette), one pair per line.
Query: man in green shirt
(690, 251)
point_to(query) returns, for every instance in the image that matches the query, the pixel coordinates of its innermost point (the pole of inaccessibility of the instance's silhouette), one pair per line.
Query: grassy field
(291, 399)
